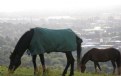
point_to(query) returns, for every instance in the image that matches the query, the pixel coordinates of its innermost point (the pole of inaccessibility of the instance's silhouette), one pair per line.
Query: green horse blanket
(48, 40)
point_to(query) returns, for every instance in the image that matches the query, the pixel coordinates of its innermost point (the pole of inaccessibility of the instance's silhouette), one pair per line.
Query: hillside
(26, 71)
(100, 32)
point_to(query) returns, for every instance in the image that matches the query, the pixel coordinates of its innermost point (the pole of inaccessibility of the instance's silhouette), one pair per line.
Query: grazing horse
(25, 41)
(102, 55)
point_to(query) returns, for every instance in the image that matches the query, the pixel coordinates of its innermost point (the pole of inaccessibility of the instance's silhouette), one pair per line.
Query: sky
(56, 5)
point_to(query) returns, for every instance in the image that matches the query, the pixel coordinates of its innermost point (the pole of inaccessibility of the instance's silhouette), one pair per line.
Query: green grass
(26, 71)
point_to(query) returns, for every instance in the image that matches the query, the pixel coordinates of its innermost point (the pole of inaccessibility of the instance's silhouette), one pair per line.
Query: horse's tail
(119, 63)
(79, 48)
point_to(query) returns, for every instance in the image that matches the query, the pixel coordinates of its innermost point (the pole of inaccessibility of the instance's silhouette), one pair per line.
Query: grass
(27, 71)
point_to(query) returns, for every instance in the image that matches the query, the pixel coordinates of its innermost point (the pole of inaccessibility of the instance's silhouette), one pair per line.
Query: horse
(102, 55)
(23, 44)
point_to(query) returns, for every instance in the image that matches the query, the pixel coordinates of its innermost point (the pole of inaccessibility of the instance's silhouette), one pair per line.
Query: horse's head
(83, 67)
(15, 62)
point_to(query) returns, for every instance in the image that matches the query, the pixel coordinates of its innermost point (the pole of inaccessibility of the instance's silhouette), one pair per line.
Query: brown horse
(102, 55)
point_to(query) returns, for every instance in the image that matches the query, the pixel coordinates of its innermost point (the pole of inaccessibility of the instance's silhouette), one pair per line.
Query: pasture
(28, 71)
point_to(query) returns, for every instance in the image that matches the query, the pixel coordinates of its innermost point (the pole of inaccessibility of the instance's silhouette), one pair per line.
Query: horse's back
(49, 40)
(108, 50)
(103, 55)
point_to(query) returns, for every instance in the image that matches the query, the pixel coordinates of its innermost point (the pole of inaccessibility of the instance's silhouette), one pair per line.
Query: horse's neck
(19, 52)
(85, 59)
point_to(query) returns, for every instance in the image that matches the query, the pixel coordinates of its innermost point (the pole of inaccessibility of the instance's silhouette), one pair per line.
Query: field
(27, 71)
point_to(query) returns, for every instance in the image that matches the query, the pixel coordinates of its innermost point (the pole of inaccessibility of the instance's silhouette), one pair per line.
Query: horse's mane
(83, 61)
(22, 44)
(12, 55)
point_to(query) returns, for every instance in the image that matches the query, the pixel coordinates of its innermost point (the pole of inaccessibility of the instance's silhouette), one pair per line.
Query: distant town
(97, 31)
(101, 31)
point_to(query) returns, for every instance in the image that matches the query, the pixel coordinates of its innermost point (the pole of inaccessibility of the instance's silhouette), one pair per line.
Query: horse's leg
(118, 62)
(98, 66)
(68, 64)
(95, 67)
(114, 66)
(72, 64)
(42, 62)
(34, 63)
(70, 59)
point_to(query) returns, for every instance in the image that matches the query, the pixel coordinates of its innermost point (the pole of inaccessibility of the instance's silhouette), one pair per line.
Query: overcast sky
(56, 5)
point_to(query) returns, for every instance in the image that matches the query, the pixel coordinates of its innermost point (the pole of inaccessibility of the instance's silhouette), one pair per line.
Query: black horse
(102, 55)
(24, 44)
